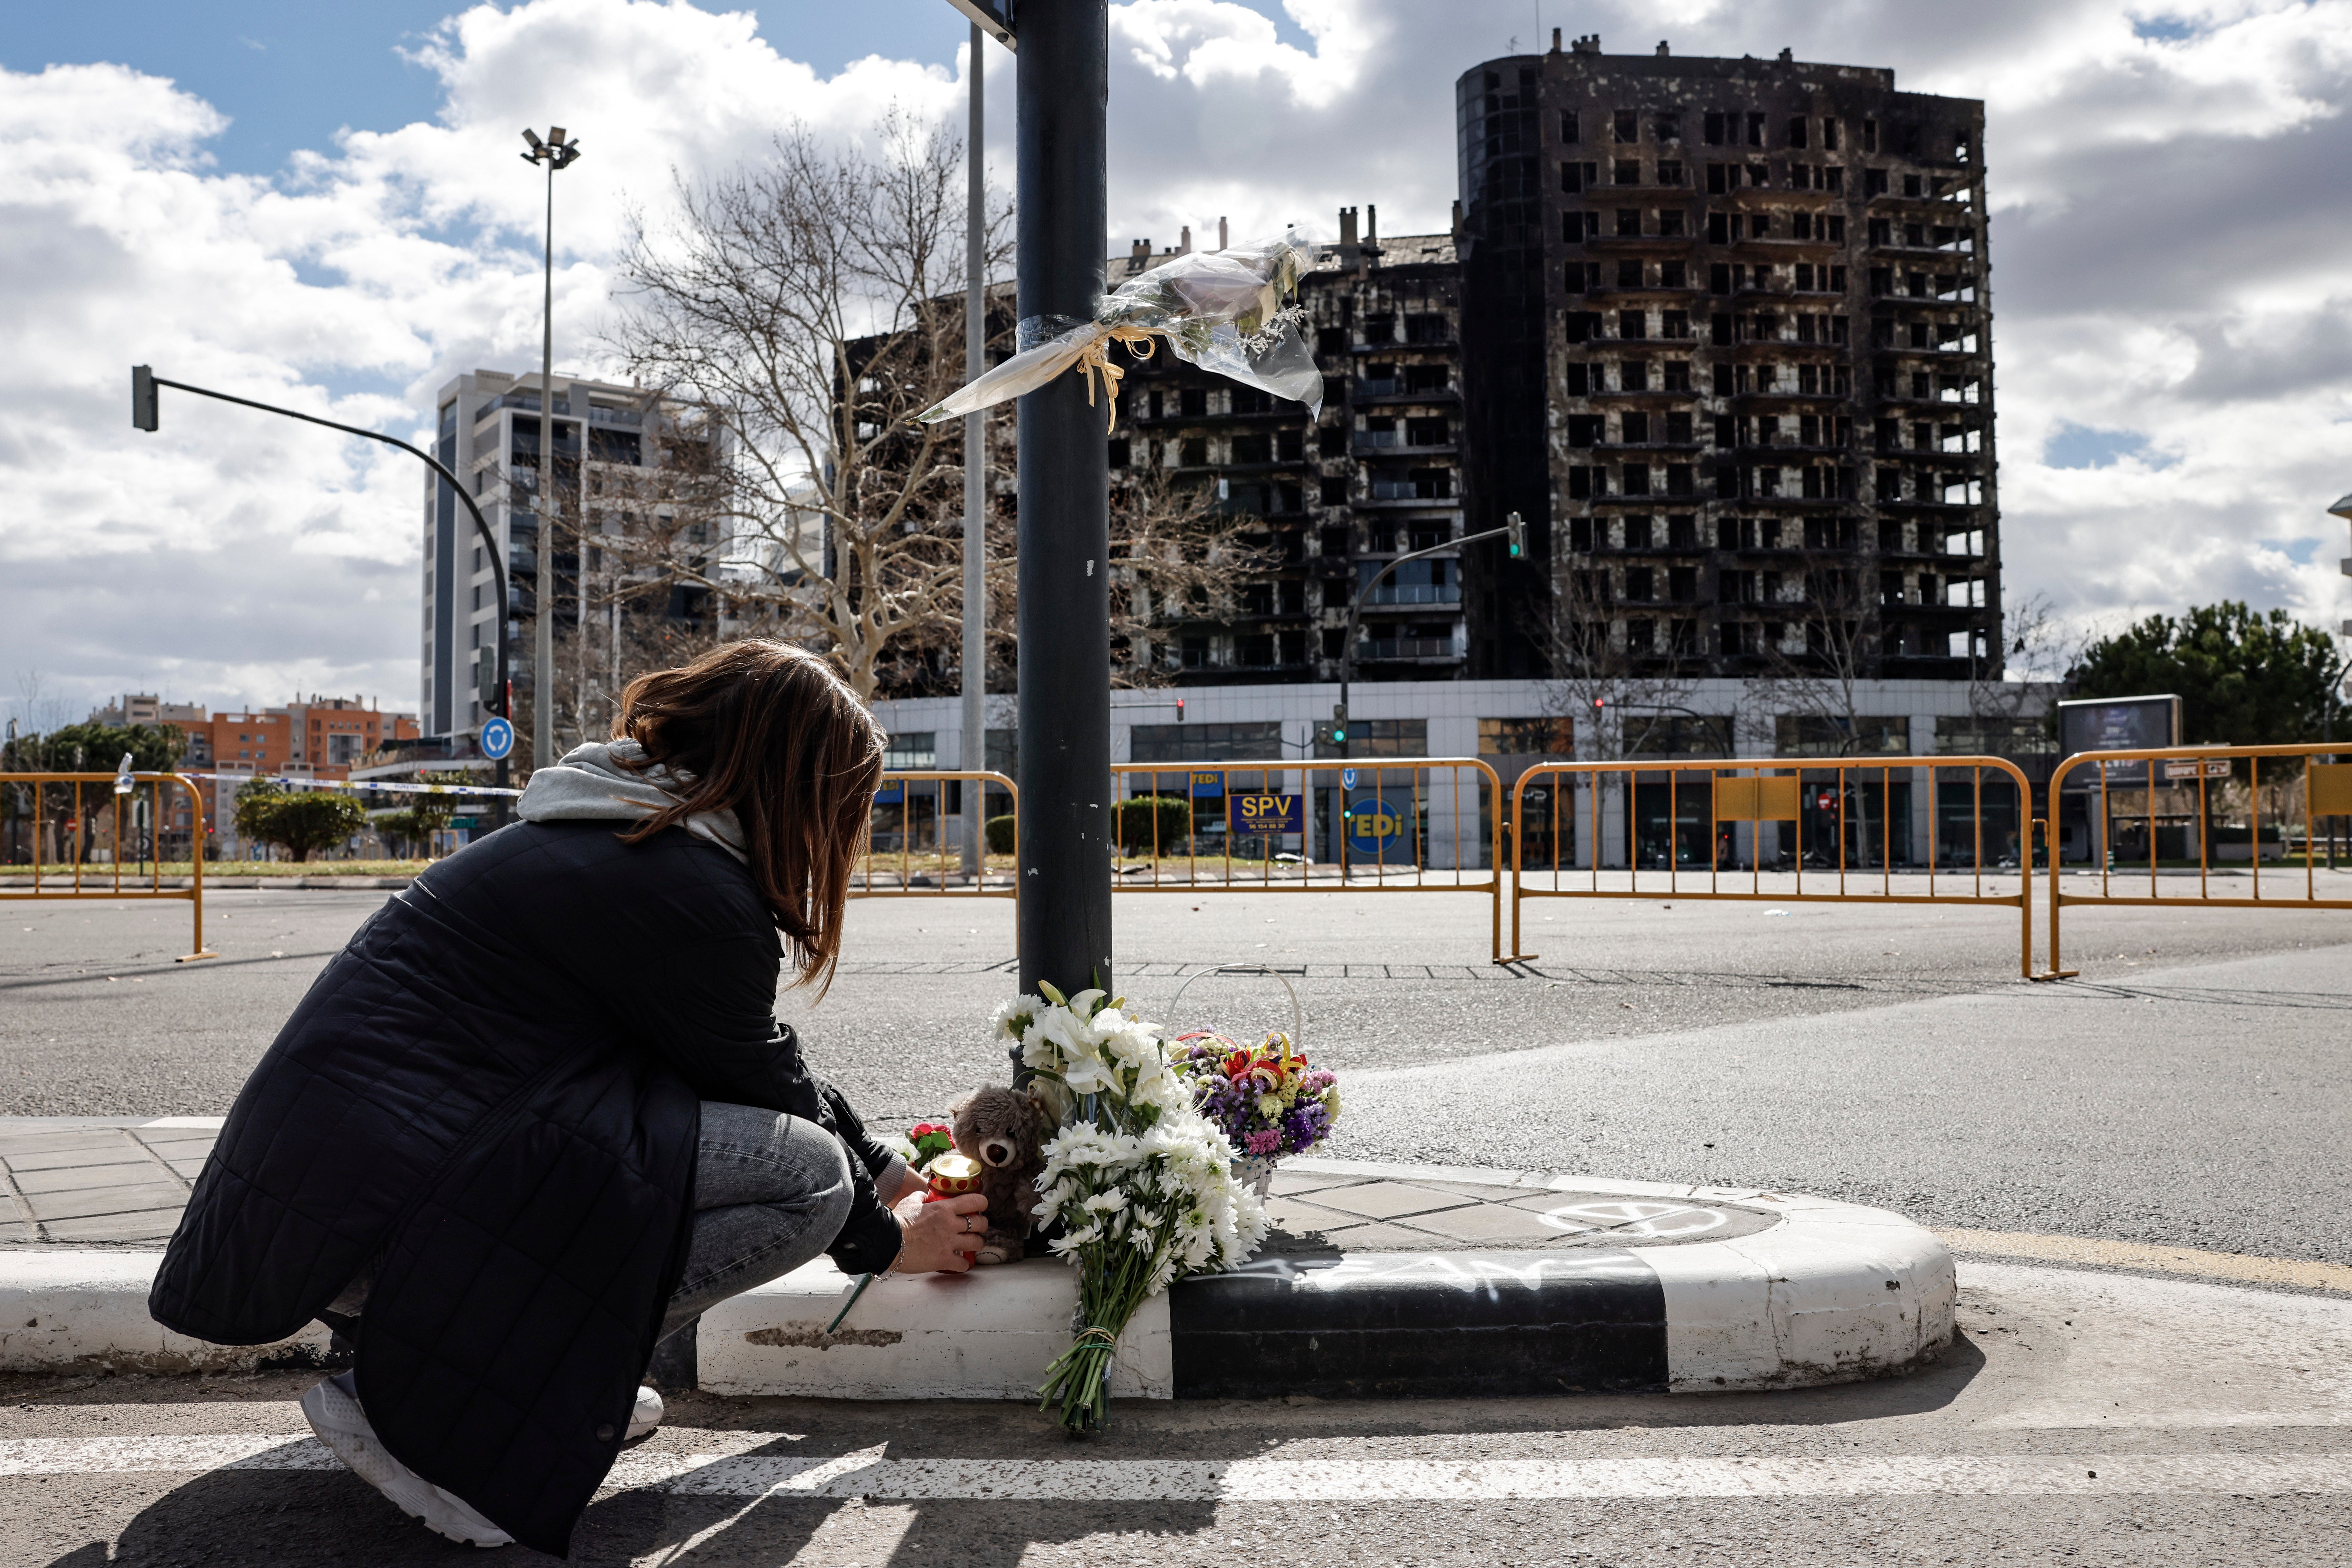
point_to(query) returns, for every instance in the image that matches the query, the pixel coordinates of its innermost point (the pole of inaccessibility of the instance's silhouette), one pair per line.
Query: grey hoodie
(591, 785)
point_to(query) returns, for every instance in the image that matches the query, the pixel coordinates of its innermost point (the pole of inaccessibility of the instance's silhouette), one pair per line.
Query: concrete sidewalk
(86, 1181)
(124, 1182)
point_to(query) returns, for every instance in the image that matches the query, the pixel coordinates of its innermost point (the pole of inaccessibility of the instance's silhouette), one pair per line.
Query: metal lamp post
(556, 152)
(975, 481)
(1061, 94)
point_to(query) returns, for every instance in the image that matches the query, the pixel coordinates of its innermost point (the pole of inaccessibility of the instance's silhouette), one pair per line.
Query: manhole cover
(1326, 1213)
(1603, 1221)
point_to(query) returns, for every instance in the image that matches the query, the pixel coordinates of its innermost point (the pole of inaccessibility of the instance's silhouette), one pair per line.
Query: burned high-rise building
(1378, 476)
(1726, 328)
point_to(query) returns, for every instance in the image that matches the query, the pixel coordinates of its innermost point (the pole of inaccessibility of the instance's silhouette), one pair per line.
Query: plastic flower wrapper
(1230, 312)
(1141, 1182)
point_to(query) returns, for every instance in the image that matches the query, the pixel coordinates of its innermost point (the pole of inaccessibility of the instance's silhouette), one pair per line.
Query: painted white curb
(87, 1311)
(987, 1334)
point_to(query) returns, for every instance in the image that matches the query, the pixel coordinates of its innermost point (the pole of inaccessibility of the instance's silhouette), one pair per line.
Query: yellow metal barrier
(1400, 827)
(1612, 829)
(908, 819)
(77, 826)
(2124, 775)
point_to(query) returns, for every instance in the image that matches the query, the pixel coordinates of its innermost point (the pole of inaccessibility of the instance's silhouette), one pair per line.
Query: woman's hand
(940, 1237)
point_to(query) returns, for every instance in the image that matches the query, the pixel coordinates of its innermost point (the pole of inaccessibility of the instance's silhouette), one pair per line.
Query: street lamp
(975, 481)
(556, 152)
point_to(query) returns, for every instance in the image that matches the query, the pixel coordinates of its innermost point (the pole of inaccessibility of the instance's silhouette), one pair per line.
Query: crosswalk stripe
(867, 1474)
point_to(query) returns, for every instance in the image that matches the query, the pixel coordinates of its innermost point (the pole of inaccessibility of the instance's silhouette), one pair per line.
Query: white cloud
(2171, 227)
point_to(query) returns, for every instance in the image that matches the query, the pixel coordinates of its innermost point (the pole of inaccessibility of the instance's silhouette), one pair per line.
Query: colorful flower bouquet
(1139, 1182)
(1267, 1099)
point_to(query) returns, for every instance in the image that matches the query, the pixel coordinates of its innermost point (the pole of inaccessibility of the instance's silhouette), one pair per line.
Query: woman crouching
(540, 1113)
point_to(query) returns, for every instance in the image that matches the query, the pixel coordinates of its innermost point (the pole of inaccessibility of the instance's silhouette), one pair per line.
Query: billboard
(2117, 724)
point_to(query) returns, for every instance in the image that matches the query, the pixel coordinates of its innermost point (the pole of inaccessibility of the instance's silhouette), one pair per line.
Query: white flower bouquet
(1231, 312)
(1141, 1182)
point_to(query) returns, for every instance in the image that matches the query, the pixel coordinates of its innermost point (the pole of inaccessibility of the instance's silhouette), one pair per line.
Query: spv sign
(1265, 814)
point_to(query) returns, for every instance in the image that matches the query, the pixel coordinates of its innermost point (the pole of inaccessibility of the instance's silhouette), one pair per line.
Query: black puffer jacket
(497, 1085)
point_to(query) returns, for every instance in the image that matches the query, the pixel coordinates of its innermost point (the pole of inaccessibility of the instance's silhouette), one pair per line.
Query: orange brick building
(324, 738)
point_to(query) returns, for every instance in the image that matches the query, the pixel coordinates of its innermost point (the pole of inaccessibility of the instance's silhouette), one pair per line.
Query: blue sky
(290, 73)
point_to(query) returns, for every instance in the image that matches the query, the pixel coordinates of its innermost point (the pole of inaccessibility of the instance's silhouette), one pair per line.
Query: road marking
(2249, 1269)
(866, 1474)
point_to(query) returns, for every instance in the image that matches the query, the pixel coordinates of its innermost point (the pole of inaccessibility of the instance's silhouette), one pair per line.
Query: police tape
(385, 787)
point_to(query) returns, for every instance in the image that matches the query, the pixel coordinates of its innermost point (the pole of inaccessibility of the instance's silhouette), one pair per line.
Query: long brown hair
(770, 732)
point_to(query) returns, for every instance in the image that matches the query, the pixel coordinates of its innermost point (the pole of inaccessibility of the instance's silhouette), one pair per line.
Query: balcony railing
(1415, 593)
(1372, 648)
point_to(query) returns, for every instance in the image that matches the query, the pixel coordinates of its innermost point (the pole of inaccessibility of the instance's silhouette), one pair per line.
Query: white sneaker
(646, 1415)
(332, 1408)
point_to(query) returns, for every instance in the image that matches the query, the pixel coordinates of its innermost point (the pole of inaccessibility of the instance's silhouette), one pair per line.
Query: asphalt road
(2189, 1090)
(2082, 1419)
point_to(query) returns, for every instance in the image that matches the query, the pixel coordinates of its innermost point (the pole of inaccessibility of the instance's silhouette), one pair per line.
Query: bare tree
(1814, 673)
(810, 304)
(806, 309)
(1176, 557)
(1828, 646)
(1602, 678)
(2038, 652)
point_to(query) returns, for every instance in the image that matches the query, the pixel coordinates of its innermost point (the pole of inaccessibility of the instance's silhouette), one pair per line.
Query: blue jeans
(770, 1193)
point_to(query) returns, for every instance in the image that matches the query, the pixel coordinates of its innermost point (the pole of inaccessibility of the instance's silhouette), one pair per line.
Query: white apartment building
(488, 432)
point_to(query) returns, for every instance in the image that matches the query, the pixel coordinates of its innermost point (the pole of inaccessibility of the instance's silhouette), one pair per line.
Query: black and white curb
(1821, 1293)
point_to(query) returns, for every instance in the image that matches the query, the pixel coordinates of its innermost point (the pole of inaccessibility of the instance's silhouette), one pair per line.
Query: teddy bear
(1004, 1130)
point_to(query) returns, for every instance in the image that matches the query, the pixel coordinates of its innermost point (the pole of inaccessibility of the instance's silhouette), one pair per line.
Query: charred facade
(1378, 474)
(1727, 328)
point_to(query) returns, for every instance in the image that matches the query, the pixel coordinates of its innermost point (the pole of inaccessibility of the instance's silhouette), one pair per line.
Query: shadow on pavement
(290, 1517)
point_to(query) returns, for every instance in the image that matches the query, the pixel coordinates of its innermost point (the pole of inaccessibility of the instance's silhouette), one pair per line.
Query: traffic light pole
(1515, 530)
(1062, 92)
(146, 414)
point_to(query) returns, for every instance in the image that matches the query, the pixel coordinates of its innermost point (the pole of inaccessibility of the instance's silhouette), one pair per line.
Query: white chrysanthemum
(1014, 1017)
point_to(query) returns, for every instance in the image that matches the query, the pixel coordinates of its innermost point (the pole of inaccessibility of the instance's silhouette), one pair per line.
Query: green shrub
(1140, 822)
(1000, 834)
(299, 820)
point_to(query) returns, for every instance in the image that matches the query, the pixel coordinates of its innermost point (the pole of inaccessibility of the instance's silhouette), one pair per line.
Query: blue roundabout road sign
(498, 737)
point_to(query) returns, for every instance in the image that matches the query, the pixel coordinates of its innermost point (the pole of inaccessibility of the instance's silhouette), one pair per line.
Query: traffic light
(1515, 528)
(1339, 721)
(144, 409)
(485, 677)
(1179, 709)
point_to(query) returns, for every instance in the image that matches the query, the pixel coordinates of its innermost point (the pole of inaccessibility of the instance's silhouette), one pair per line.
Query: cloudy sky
(321, 205)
